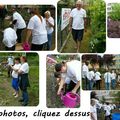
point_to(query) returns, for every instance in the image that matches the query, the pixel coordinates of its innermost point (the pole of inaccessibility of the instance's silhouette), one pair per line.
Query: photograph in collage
(81, 26)
(63, 81)
(19, 79)
(105, 105)
(113, 20)
(101, 72)
(27, 27)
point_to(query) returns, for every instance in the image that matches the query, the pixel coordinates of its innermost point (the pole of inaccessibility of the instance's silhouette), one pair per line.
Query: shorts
(77, 34)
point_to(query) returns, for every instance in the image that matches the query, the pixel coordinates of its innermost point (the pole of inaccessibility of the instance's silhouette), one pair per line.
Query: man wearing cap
(77, 23)
(72, 71)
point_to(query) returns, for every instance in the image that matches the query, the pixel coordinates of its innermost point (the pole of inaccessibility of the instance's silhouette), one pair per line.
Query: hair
(35, 11)
(79, 2)
(58, 67)
(48, 12)
(25, 59)
(17, 59)
(57, 74)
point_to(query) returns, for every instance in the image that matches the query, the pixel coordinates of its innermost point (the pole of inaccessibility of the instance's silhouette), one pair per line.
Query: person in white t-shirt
(19, 24)
(9, 38)
(107, 112)
(24, 81)
(50, 28)
(78, 23)
(37, 28)
(97, 79)
(72, 70)
(108, 78)
(10, 62)
(113, 82)
(93, 110)
(15, 79)
(85, 71)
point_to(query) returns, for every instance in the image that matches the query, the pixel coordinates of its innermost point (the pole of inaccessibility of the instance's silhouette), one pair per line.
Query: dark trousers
(98, 84)
(19, 35)
(25, 96)
(10, 49)
(108, 117)
(35, 47)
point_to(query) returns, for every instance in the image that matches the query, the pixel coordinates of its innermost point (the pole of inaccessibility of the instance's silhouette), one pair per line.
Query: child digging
(15, 76)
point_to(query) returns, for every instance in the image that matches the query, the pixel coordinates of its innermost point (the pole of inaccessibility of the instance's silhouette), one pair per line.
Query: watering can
(116, 116)
(26, 46)
(70, 100)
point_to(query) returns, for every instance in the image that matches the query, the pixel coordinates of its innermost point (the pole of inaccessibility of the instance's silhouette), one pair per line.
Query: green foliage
(97, 14)
(117, 97)
(115, 13)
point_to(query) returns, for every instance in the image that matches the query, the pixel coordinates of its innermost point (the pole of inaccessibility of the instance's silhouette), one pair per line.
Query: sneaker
(24, 104)
(16, 96)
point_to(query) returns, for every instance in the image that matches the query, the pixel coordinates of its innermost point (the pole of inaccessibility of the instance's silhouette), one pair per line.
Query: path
(70, 46)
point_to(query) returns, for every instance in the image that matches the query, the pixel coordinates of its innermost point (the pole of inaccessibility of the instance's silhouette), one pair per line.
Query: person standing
(50, 28)
(19, 24)
(107, 77)
(113, 82)
(37, 28)
(97, 79)
(23, 80)
(77, 23)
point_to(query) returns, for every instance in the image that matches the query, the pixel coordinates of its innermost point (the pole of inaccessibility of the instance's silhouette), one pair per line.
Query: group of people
(68, 76)
(18, 69)
(92, 77)
(39, 28)
(96, 108)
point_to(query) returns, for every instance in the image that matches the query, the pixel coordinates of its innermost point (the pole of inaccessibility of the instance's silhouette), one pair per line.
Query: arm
(70, 23)
(85, 23)
(51, 25)
(16, 70)
(62, 82)
(29, 32)
(92, 116)
(76, 87)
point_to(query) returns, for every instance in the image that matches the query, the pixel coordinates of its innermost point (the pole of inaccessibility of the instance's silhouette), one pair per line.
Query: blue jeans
(90, 84)
(49, 43)
(113, 83)
(25, 96)
(107, 86)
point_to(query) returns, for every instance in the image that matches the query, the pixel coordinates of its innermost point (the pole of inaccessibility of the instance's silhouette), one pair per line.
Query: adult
(107, 77)
(85, 71)
(113, 81)
(50, 28)
(9, 38)
(37, 28)
(91, 81)
(72, 70)
(24, 81)
(107, 112)
(77, 23)
(19, 24)
(97, 79)
(10, 62)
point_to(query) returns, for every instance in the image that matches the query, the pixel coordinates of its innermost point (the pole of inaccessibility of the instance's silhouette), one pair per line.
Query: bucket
(70, 100)
(116, 116)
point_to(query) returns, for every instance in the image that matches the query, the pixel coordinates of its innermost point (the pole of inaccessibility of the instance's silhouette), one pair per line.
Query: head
(61, 67)
(79, 4)
(17, 60)
(47, 14)
(23, 59)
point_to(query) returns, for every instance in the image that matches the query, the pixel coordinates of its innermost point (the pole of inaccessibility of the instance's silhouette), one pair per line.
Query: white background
(113, 47)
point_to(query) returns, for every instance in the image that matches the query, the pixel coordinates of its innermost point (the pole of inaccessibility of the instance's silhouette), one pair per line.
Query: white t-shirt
(9, 37)
(93, 110)
(113, 76)
(24, 68)
(48, 27)
(85, 71)
(73, 71)
(107, 109)
(39, 32)
(20, 24)
(10, 60)
(107, 77)
(78, 18)
(97, 76)
(15, 74)
(91, 75)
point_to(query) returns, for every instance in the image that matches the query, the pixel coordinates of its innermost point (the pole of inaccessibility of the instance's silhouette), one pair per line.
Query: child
(9, 38)
(15, 76)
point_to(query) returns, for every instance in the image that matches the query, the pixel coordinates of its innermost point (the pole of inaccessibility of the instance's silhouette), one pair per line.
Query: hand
(73, 91)
(85, 30)
(59, 92)
(70, 29)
